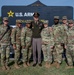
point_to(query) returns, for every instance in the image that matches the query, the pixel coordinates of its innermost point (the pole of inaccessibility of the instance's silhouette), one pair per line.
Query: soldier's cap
(18, 21)
(28, 22)
(64, 18)
(45, 22)
(36, 14)
(70, 21)
(56, 17)
(5, 18)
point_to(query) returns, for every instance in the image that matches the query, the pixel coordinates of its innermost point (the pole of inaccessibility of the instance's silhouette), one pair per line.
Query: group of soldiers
(20, 38)
(56, 41)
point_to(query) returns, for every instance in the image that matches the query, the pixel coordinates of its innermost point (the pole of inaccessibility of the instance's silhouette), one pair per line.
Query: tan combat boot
(7, 67)
(16, 66)
(28, 64)
(25, 64)
(54, 64)
(4, 68)
(47, 65)
(69, 67)
(58, 65)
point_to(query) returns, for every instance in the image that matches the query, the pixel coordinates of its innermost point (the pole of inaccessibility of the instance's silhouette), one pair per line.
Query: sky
(27, 2)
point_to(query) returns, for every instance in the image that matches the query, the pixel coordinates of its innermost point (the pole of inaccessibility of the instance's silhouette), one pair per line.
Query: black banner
(26, 12)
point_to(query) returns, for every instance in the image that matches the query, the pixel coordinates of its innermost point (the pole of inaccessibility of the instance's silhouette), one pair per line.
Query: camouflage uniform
(0, 43)
(65, 28)
(70, 45)
(16, 40)
(5, 43)
(26, 38)
(65, 25)
(58, 33)
(47, 41)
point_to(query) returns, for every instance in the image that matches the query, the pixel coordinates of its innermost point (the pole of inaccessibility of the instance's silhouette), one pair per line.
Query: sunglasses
(6, 21)
(19, 23)
(70, 23)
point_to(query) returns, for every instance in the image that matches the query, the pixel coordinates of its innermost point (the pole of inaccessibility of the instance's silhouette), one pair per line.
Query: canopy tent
(26, 12)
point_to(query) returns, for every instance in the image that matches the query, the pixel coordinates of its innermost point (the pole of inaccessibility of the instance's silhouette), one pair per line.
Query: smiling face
(71, 24)
(64, 21)
(19, 24)
(28, 25)
(56, 21)
(36, 18)
(45, 25)
(5, 22)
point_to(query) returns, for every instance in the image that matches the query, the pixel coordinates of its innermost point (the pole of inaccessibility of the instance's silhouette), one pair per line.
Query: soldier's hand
(42, 42)
(51, 47)
(65, 47)
(14, 46)
(45, 42)
(23, 47)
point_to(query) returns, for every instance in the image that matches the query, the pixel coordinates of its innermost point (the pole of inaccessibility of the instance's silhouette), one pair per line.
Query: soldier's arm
(42, 25)
(23, 36)
(13, 36)
(52, 39)
(43, 36)
(64, 35)
(42, 33)
(0, 30)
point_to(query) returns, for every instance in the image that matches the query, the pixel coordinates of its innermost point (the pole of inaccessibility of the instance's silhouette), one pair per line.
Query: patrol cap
(64, 18)
(28, 21)
(45, 22)
(56, 17)
(36, 14)
(5, 18)
(71, 21)
(18, 21)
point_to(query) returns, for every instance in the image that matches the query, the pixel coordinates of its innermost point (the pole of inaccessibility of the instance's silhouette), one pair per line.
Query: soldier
(47, 44)
(65, 29)
(5, 32)
(58, 42)
(37, 26)
(65, 22)
(16, 41)
(26, 42)
(70, 45)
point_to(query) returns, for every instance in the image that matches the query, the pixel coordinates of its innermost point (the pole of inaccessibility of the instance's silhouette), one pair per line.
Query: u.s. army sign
(26, 12)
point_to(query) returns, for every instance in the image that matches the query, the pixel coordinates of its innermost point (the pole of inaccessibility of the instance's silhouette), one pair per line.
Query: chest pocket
(46, 33)
(57, 31)
(18, 33)
(28, 33)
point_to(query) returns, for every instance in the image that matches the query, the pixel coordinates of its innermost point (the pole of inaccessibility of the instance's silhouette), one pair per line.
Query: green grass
(38, 70)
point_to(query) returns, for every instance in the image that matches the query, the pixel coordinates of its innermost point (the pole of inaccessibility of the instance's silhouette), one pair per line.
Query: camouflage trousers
(70, 54)
(17, 52)
(47, 53)
(27, 52)
(57, 53)
(5, 54)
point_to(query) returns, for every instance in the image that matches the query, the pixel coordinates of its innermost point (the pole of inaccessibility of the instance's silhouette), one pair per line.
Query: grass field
(38, 70)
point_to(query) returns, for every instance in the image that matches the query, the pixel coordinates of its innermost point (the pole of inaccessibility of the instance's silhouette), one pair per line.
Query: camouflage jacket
(16, 35)
(59, 34)
(46, 36)
(26, 35)
(7, 36)
(70, 34)
(65, 27)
